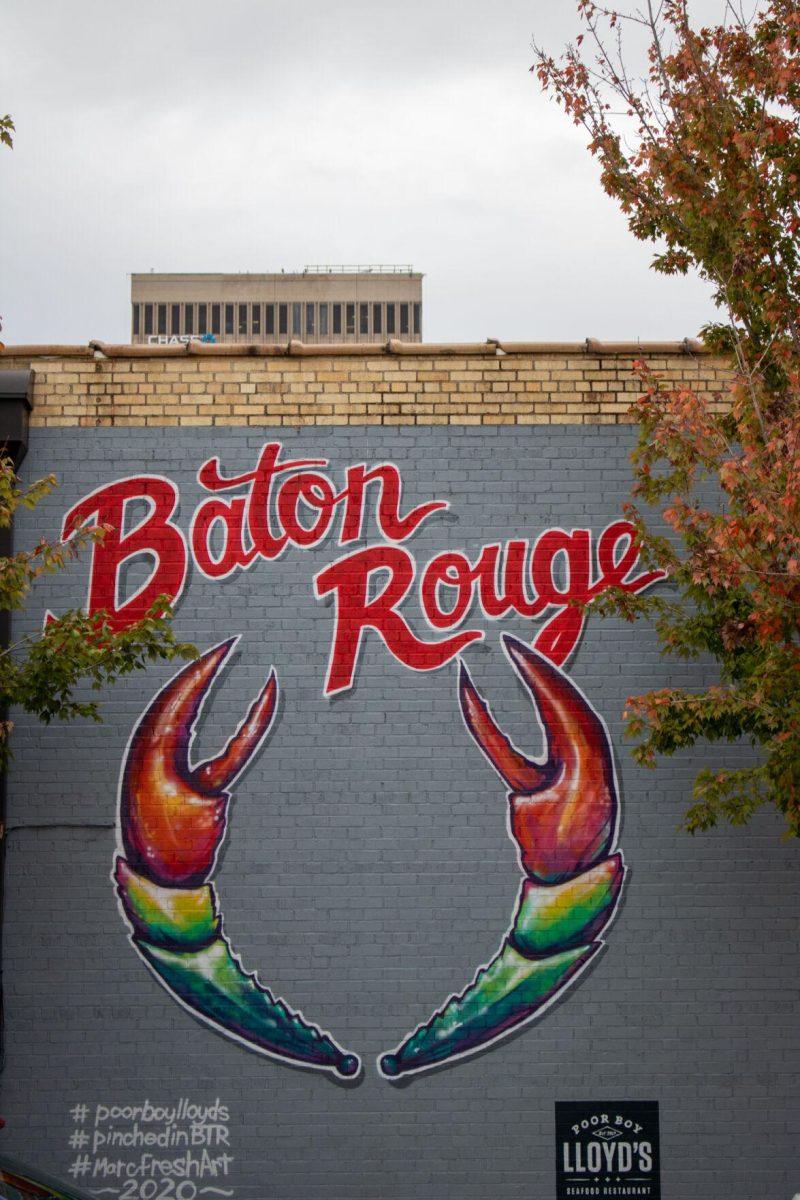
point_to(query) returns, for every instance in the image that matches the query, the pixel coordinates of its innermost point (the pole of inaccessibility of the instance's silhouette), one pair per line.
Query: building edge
(395, 383)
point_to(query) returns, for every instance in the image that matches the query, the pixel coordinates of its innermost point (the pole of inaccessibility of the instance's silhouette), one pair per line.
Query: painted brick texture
(368, 869)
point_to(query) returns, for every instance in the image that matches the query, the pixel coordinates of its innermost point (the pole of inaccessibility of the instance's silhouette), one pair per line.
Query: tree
(52, 675)
(701, 149)
(48, 675)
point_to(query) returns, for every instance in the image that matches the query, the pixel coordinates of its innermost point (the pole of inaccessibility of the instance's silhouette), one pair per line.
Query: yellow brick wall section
(513, 389)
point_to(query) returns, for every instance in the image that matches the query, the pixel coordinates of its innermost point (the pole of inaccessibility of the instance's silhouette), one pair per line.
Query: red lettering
(613, 570)
(617, 555)
(391, 524)
(155, 536)
(211, 478)
(268, 544)
(576, 548)
(349, 580)
(559, 636)
(288, 502)
(454, 570)
(487, 570)
(230, 515)
(451, 571)
(315, 492)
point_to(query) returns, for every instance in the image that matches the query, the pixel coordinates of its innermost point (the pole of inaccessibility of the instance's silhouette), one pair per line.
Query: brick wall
(483, 385)
(367, 870)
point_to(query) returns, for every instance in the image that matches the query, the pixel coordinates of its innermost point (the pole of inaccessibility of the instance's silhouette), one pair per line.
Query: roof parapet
(492, 347)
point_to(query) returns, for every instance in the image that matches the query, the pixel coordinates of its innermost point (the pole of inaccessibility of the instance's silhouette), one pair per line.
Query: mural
(563, 817)
(452, 909)
(285, 505)
(172, 822)
(564, 813)
(172, 816)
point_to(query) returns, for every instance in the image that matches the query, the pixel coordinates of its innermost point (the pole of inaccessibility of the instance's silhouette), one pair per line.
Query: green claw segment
(172, 821)
(563, 811)
(557, 916)
(174, 917)
(503, 994)
(212, 983)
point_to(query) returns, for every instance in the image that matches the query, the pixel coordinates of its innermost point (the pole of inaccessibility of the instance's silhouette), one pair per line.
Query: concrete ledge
(46, 351)
(493, 347)
(594, 347)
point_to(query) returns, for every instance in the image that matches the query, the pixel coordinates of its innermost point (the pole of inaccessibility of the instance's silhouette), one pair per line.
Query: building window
(363, 318)
(283, 318)
(403, 319)
(377, 326)
(188, 318)
(215, 318)
(309, 318)
(229, 319)
(256, 319)
(417, 318)
(175, 319)
(270, 325)
(162, 318)
(135, 325)
(337, 319)
(390, 318)
(243, 320)
(296, 314)
(148, 319)
(202, 319)
(323, 320)
(351, 318)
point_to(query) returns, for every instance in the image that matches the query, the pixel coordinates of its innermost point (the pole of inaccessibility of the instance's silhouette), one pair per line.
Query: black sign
(607, 1149)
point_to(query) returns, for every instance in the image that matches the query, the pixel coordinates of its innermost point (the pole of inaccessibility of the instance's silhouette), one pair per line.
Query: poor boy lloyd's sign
(609, 1150)
(284, 505)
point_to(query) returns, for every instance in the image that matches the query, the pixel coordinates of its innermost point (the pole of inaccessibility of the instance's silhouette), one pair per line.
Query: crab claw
(172, 815)
(563, 808)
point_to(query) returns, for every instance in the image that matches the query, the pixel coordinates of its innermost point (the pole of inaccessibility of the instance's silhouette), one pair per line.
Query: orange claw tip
(570, 823)
(172, 815)
(572, 726)
(520, 773)
(563, 810)
(220, 772)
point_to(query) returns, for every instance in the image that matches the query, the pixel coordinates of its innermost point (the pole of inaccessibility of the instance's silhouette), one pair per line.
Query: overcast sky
(255, 135)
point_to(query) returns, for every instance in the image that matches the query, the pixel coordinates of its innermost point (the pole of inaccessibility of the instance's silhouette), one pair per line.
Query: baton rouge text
(286, 504)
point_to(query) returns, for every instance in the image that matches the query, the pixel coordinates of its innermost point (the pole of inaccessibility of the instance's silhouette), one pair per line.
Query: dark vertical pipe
(16, 388)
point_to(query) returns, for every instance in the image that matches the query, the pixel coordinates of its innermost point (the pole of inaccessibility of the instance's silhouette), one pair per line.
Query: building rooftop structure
(322, 304)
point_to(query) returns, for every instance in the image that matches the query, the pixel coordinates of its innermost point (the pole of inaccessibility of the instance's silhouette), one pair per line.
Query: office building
(320, 304)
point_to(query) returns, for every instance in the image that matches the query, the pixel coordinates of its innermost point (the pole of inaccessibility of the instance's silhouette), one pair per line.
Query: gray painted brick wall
(368, 872)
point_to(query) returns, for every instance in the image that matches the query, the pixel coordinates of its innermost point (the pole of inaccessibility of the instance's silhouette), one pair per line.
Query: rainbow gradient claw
(564, 812)
(172, 822)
